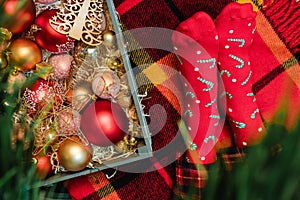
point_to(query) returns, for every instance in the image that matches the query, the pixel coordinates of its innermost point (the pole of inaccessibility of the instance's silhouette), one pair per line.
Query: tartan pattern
(190, 180)
(275, 61)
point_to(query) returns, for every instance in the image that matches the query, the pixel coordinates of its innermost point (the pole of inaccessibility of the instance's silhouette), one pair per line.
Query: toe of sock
(236, 10)
(198, 26)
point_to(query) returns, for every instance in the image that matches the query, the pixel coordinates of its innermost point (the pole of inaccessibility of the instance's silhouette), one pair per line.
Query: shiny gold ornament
(128, 144)
(23, 54)
(5, 36)
(82, 95)
(73, 155)
(109, 39)
(114, 63)
(130, 140)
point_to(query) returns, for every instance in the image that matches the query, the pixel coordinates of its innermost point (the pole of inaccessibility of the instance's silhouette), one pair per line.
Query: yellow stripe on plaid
(154, 72)
(257, 4)
(278, 48)
(159, 74)
(99, 182)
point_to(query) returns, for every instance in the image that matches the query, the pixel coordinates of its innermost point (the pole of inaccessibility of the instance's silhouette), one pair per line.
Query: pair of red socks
(216, 73)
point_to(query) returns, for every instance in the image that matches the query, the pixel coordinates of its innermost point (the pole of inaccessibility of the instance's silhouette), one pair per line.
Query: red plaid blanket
(275, 61)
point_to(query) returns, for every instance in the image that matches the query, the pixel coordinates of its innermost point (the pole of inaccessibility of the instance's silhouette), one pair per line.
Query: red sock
(235, 26)
(198, 48)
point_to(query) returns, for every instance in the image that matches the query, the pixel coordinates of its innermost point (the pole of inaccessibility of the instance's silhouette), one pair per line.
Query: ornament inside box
(84, 112)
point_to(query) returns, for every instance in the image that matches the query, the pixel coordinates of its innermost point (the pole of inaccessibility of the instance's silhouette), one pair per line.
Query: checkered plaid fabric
(275, 61)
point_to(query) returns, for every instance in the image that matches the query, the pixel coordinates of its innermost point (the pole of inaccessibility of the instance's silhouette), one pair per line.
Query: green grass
(269, 170)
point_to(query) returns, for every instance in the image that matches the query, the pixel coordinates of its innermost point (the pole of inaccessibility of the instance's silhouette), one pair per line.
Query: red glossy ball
(47, 37)
(16, 15)
(104, 123)
(46, 1)
(43, 166)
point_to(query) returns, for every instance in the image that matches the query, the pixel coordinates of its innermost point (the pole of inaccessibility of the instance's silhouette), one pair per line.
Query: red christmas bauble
(42, 94)
(16, 15)
(47, 37)
(43, 166)
(46, 1)
(104, 123)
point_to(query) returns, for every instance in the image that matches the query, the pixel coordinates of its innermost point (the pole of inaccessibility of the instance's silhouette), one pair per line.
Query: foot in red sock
(196, 42)
(235, 26)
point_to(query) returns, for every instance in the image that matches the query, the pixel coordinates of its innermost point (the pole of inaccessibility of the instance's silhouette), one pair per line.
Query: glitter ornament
(61, 65)
(104, 123)
(68, 122)
(23, 54)
(111, 84)
(47, 37)
(43, 94)
(73, 155)
(17, 16)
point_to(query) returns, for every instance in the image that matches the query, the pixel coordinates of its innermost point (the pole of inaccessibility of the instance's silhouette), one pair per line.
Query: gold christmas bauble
(81, 95)
(109, 38)
(23, 54)
(73, 155)
(5, 37)
(114, 63)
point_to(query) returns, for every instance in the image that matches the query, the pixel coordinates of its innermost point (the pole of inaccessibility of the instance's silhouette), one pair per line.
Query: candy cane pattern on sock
(235, 26)
(198, 54)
